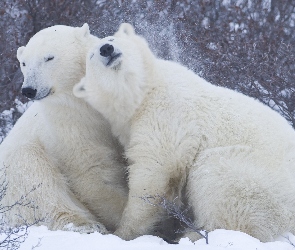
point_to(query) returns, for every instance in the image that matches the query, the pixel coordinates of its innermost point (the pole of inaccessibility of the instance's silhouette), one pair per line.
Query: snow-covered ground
(40, 238)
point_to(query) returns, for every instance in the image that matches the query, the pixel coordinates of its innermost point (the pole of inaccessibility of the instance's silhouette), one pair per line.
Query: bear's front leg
(35, 180)
(139, 216)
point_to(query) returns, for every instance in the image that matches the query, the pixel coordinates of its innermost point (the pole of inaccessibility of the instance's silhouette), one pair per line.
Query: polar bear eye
(23, 64)
(49, 58)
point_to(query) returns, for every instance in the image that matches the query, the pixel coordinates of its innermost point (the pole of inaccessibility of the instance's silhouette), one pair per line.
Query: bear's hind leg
(230, 188)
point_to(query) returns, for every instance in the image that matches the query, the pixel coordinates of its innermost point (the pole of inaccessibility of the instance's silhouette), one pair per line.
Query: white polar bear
(61, 142)
(232, 157)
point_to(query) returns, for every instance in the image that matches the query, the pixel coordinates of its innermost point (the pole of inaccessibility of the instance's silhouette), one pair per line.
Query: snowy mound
(43, 239)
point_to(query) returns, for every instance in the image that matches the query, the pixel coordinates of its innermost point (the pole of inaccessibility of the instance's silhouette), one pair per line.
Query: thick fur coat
(231, 157)
(61, 144)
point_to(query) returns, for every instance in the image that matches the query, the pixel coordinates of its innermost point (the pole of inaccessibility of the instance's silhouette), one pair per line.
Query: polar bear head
(118, 70)
(54, 60)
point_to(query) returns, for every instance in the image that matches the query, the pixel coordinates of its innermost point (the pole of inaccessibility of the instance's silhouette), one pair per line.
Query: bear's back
(225, 116)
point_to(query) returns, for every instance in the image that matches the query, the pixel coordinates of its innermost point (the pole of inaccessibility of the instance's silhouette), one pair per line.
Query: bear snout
(29, 92)
(106, 50)
(109, 55)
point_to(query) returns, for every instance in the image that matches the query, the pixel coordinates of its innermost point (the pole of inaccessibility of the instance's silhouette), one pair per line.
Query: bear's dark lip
(113, 58)
(40, 98)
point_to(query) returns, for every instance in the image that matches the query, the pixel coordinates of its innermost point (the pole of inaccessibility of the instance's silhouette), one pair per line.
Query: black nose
(29, 92)
(106, 50)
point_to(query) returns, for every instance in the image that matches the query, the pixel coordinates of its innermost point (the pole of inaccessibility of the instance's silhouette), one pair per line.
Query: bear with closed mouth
(61, 145)
(229, 157)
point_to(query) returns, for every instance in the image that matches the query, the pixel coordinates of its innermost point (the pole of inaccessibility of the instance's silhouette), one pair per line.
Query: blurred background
(245, 45)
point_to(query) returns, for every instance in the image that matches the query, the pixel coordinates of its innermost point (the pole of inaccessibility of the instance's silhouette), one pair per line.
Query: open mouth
(113, 58)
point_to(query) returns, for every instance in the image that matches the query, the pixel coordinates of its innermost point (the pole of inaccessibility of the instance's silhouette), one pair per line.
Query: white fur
(62, 143)
(232, 157)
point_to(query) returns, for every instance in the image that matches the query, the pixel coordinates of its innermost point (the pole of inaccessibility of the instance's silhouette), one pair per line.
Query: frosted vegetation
(7, 117)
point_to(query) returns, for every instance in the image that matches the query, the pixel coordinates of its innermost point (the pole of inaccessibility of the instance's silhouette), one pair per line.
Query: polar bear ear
(79, 89)
(83, 31)
(19, 52)
(127, 29)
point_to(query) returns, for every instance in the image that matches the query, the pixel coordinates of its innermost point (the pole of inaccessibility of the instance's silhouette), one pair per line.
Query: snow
(6, 117)
(205, 22)
(40, 238)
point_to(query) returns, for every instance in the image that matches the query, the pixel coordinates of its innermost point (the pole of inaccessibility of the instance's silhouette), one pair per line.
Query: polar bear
(61, 146)
(231, 158)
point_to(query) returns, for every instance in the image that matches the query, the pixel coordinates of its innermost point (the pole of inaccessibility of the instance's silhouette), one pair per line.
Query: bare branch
(175, 211)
